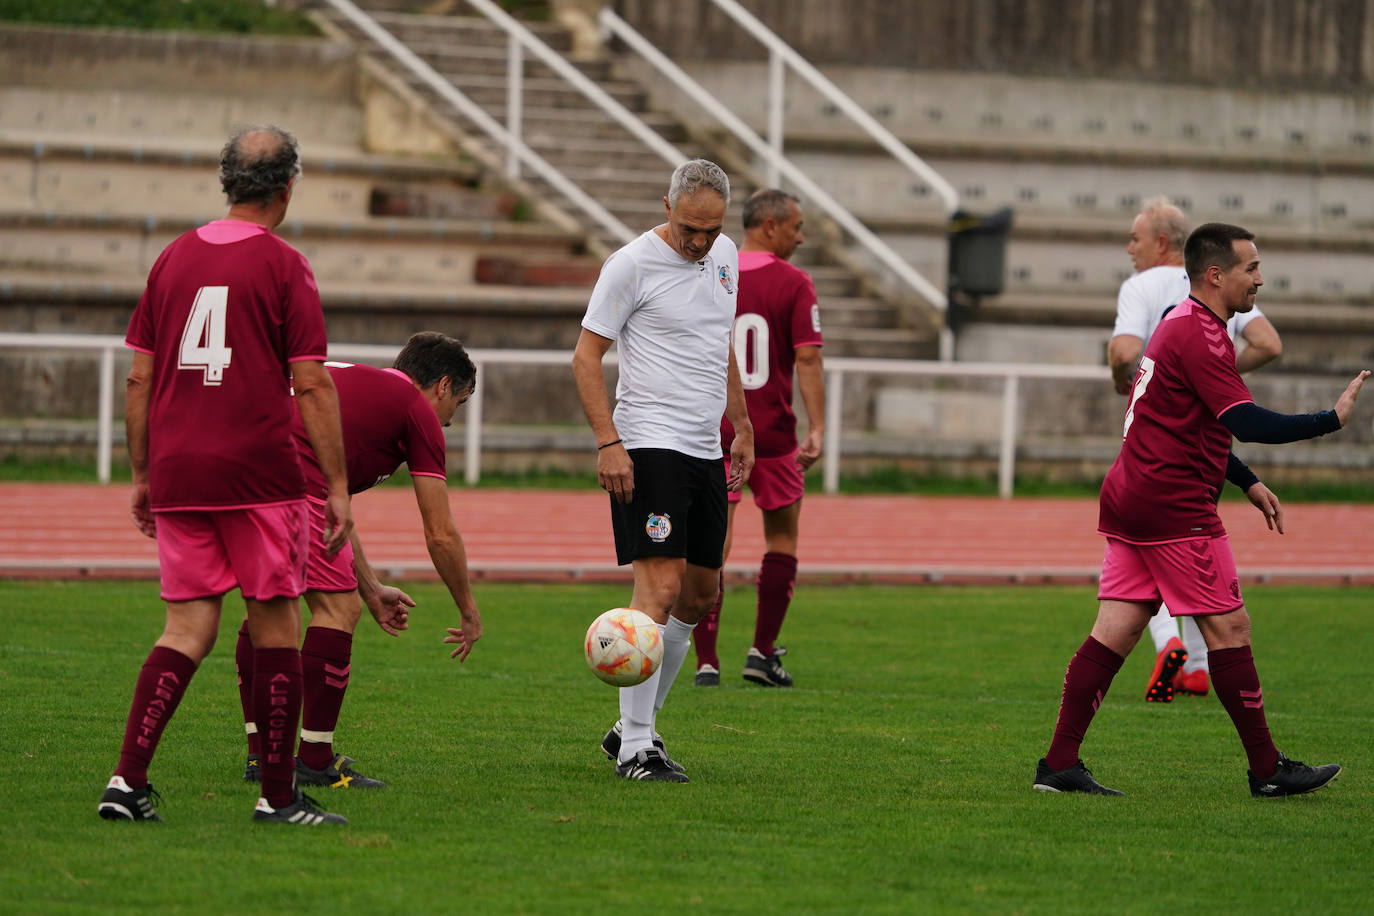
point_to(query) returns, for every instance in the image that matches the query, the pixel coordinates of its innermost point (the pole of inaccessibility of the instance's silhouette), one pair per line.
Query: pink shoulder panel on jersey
(228, 231)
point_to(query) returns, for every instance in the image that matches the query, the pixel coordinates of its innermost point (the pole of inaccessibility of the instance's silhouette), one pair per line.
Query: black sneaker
(650, 765)
(252, 770)
(707, 676)
(611, 746)
(303, 811)
(121, 802)
(766, 669)
(1292, 777)
(338, 775)
(1076, 778)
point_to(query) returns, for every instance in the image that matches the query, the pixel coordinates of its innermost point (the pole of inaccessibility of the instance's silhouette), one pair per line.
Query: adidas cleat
(707, 676)
(1292, 777)
(649, 765)
(766, 669)
(610, 745)
(122, 802)
(338, 775)
(303, 811)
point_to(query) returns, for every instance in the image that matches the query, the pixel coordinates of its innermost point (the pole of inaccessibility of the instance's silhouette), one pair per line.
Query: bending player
(389, 416)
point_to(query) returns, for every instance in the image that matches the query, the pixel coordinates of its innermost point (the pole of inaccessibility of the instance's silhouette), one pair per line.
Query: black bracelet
(608, 444)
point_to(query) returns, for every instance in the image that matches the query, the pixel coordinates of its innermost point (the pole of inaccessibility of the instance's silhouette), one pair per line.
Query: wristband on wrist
(608, 444)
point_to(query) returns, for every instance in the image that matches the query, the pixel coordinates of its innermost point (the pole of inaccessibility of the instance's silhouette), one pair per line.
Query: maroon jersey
(1164, 484)
(385, 421)
(227, 308)
(776, 313)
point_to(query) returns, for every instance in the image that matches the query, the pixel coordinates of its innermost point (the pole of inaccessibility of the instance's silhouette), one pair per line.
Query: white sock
(1195, 644)
(637, 716)
(1163, 628)
(677, 639)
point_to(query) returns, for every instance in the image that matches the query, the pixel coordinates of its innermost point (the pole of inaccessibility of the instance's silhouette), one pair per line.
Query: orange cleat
(1167, 665)
(1191, 682)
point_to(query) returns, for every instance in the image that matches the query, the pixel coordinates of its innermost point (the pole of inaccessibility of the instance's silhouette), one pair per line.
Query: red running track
(83, 530)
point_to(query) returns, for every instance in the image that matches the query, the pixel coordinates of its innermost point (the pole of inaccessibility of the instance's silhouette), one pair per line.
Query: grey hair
(1165, 219)
(694, 175)
(254, 172)
(767, 203)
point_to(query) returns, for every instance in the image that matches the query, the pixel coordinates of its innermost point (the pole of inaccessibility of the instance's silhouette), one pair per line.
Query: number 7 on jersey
(202, 340)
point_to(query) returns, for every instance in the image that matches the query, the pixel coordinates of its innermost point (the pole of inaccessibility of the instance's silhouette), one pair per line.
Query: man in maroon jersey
(229, 323)
(1158, 511)
(389, 416)
(777, 326)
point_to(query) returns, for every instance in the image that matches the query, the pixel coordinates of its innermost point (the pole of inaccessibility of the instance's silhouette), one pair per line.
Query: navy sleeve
(1250, 422)
(1238, 473)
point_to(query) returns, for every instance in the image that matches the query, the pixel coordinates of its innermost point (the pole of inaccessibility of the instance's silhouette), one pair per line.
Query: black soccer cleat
(1076, 778)
(122, 802)
(252, 769)
(707, 676)
(338, 775)
(1292, 777)
(649, 765)
(610, 745)
(766, 669)
(303, 811)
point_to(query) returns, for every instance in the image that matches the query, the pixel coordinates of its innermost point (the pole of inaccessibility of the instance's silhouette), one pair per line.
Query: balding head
(257, 163)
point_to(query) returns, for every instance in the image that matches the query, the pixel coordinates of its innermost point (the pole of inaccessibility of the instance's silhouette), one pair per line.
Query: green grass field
(895, 778)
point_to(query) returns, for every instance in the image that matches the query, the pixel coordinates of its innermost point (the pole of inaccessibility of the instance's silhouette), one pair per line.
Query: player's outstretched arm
(318, 403)
(1345, 404)
(388, 605)
(450, 560)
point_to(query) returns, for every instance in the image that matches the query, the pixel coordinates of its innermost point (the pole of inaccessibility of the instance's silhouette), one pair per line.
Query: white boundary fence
(104, 347)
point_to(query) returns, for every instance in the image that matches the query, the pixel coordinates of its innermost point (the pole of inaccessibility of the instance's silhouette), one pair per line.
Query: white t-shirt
(1144, 297)
(671, 320)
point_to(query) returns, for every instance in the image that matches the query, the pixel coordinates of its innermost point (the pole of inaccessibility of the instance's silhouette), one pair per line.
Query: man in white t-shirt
(1158, 234)
(667, 298)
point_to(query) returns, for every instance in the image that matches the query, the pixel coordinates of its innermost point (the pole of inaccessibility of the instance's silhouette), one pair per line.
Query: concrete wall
(1273, 43)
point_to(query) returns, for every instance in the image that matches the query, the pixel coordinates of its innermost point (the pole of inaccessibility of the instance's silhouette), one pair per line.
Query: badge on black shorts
(658, 527)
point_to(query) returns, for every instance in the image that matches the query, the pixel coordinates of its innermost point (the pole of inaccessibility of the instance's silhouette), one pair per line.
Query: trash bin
(978, 252)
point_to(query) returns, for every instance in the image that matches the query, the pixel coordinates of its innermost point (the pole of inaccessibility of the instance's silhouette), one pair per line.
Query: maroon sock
(277, 710)
(1086, 682)
(161, 684)
(325, 657)
(243, 663)
(707, 629)
(1237, 684)
(777, 575)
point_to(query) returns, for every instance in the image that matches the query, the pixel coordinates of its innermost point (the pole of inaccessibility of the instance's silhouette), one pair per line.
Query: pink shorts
(1194, 577)
(324, 573)
(775, 482)
(260, 551)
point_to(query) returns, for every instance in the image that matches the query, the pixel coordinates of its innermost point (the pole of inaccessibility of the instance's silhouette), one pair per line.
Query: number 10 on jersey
(202, 340)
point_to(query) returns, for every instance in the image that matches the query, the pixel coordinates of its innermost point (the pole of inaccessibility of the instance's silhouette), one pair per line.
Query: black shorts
(678, 509)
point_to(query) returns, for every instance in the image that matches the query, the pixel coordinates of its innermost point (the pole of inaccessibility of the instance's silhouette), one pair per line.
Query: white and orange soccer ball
(624, 647)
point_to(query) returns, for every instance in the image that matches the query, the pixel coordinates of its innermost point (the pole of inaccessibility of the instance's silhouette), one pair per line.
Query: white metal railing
(780, 56)
(106, 345)
(865, 237)
(517, 149)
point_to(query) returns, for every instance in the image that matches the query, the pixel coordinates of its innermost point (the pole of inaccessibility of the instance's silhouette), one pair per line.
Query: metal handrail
(780, 52)
(474, 112)
(682, 81)
(835, 369)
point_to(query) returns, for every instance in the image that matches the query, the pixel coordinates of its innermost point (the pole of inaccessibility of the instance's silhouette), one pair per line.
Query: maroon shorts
(774, 482)
(1193, 577)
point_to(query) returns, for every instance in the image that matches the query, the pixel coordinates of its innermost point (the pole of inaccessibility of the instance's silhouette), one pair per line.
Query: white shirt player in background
(1160, 282)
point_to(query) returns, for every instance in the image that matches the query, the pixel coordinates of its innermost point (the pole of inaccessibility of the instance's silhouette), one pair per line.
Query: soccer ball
(624, 647)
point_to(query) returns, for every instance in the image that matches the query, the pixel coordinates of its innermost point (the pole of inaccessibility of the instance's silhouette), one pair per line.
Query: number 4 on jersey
(202, 340)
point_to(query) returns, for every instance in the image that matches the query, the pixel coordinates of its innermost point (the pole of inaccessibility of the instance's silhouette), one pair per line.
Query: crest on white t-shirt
(726, 280)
